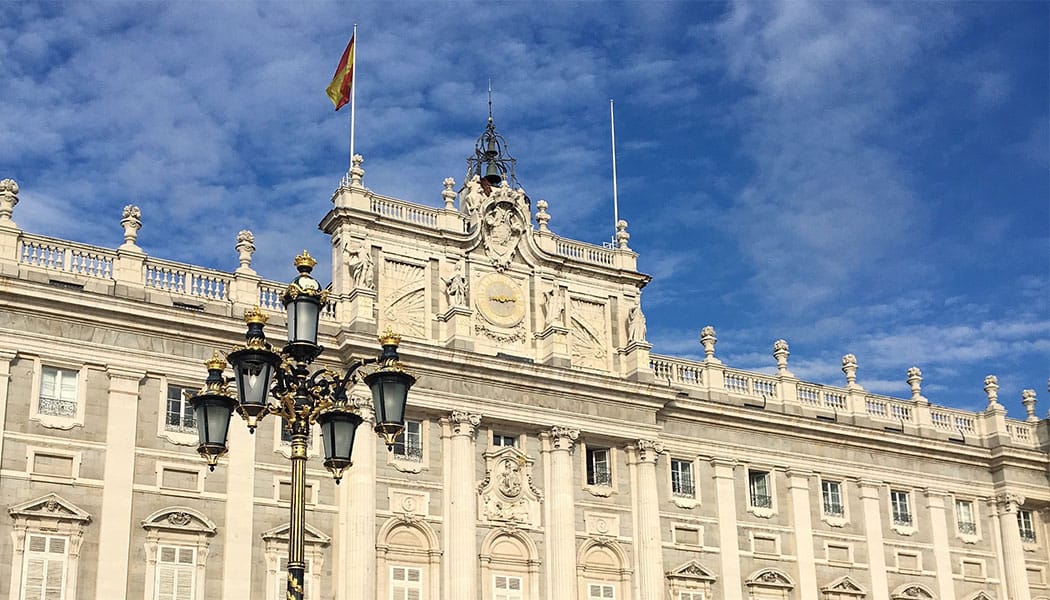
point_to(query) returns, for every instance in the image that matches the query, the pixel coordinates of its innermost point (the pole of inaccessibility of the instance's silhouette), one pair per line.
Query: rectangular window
(406, 583)
(503, 441)
(758, 489)
(179, 415)
(409, 443)
(176, 571)
(281, 581)
(690, 596)
(44, 568)
(600, 591)
(598, 471)
(58, 392)
(964, 518)
(832, 495)
(1026, 525)
(682, 478)
(507, 587)
(901, 504)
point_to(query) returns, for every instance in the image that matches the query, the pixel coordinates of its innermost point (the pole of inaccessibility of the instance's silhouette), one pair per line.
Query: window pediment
(50, 507)
(691, 572)
(844, 586)
(179, 519)
(912, 591)
(313, 535)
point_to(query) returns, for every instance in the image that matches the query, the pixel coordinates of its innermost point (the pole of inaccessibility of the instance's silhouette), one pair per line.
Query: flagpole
(353, 95)
(616, 206)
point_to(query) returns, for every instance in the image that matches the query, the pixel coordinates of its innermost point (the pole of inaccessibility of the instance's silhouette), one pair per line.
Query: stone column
(561, 527)
(802, 522)
(114, 536)
(355, 539)
(1013, 550)
(728, 542)
(240, 500)
(649, 546)
(941, 555)
(462, 517)
(869, 499)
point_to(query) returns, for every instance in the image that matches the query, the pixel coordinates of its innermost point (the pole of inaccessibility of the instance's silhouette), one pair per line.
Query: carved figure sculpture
(636, 324)
(553, 307)
(456, 289)
(362, 269)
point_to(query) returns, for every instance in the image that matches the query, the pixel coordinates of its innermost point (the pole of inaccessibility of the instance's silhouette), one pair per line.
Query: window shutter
(34, 578)
(69, 385)
(48, 383)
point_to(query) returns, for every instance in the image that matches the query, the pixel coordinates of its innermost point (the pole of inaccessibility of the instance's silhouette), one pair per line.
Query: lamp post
(268, 382)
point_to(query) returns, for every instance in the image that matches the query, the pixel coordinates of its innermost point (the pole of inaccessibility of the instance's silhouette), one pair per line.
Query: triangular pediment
(845, 585)
(691, 571)
(179, 518)
(52, 506)
(313, 535)
(985, 596)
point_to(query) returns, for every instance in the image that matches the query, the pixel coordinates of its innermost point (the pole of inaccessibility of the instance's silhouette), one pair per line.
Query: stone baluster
(462, 506)
(1028, 400)
(871, 504)
(355, 540)
(935, 504)
(728, 536)
(561, 524)
(114, 534)
(1007, 505)
(621, 235)
(644, 455)
(448, 194)
(542, 216)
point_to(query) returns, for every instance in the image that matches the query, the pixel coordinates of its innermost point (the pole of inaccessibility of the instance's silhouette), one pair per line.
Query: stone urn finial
(357, 174)
(781, 351)
(991, 388)
(1028, 399)
(915, 381)
(448, 194)
(849, 367)
(621, 234)
(8, 200)
(708, 340)
(542, 216)
(245, 249)
(132, 222)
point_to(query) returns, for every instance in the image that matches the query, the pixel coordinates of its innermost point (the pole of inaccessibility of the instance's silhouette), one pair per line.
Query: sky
(854, 177)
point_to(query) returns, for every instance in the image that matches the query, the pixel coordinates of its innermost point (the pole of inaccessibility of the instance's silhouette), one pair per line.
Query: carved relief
(502, 227)
(359, 264)
(402, 298)
(589, 335)
(500, 302)
(507, 492)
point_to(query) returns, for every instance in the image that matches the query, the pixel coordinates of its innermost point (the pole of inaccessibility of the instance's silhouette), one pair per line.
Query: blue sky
(853, 177)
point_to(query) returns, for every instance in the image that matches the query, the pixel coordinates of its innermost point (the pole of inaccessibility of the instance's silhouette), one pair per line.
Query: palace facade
(549, 453)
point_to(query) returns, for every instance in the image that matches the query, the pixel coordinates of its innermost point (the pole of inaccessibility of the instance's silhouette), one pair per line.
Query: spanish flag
(339, 89)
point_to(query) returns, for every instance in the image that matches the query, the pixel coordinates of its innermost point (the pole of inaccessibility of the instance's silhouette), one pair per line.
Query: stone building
(549, 453)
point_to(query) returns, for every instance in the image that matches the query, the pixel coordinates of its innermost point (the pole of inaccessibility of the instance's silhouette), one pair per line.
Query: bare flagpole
(616, 205)
(353, 95)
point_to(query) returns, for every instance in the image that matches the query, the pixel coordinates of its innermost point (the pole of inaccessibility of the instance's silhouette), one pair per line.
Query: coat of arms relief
(502, 214)
(507, 493)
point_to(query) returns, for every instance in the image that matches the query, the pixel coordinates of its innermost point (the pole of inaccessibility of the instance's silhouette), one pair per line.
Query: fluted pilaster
(462, 516)
(1013, 551)
(646, 453)
(561, 525)
(869, 499)
(355, 540)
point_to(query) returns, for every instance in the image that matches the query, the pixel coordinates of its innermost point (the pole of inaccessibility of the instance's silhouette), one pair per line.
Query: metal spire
(491, 160)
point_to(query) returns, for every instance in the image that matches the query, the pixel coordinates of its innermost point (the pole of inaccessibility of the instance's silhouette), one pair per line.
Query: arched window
(769, 584)
(602, 565)
(509, 566)
(408, 560)
(177, 541)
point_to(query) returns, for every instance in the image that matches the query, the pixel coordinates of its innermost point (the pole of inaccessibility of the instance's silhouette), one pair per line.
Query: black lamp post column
(297, 528)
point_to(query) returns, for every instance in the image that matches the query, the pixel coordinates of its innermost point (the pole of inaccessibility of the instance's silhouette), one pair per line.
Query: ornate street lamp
(281, 383)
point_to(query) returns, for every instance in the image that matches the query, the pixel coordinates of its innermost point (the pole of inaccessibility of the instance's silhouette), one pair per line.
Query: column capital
(464, 423)
(364, 409)
(935, 498)
(648, 451)
(869, 488)
(563, 438)
(1008, 502)
(723, 467)
(115, 373)
(799, 478)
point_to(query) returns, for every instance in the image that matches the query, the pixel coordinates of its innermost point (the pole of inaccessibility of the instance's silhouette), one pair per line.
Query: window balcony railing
(683, 490)
(599, 477)
(761, 501)
(1028, 536)
(833, 510)
(409, 453)
(902, 520)
(967, 527)
(58, 407)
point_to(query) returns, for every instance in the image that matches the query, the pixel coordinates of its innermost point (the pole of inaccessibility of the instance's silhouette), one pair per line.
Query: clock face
(501, 301)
